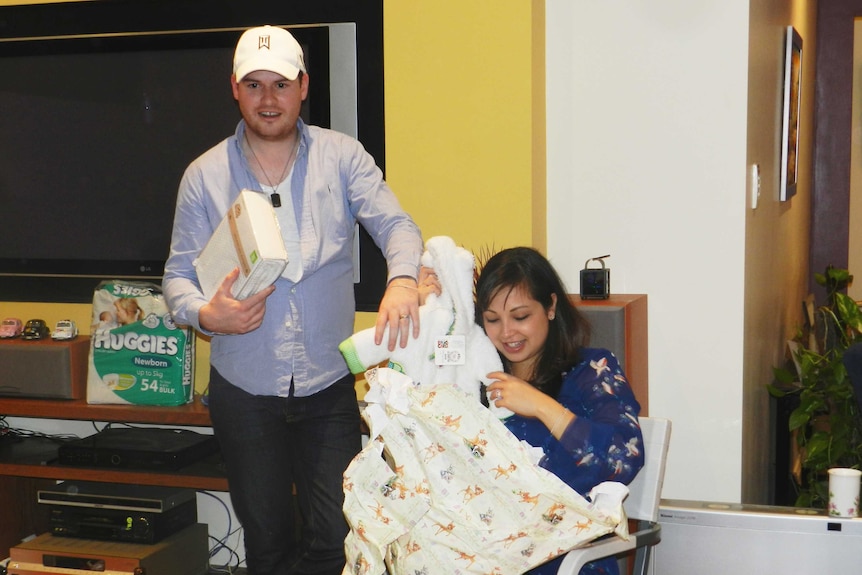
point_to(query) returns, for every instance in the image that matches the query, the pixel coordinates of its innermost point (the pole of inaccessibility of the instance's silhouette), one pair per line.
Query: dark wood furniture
(27, 465)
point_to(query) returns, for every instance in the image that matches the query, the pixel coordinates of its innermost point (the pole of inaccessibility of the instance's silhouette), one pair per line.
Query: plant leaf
(798, 419)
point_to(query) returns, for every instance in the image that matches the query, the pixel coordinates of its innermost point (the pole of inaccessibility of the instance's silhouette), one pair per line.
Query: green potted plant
(826, 424)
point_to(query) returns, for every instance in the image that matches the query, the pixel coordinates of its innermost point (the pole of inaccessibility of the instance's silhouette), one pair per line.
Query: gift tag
(450, 350)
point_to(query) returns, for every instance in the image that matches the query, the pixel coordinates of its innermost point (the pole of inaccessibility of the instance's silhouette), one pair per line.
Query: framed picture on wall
(790, 114)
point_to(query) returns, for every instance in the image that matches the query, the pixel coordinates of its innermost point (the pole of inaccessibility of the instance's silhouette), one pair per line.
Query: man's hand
(428, 283)
(225, 314)
(398, 309)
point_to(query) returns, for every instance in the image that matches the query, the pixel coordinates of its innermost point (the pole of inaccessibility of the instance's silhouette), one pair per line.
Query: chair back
(641, 505)
(645, 490)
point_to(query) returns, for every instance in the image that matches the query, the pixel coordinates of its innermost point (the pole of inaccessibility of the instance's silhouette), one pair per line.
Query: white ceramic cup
(844, 492)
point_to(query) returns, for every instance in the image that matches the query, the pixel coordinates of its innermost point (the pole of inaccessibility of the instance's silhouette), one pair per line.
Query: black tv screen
(115, 131)
(103, 107)
(95, 134)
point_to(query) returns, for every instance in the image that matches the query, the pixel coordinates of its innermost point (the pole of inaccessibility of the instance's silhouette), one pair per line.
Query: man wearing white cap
(281, 398)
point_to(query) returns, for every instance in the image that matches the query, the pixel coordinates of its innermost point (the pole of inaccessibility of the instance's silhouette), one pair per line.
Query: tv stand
(25, 467)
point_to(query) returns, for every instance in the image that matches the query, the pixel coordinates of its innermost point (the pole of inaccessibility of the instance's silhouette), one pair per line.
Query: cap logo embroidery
(263, 42)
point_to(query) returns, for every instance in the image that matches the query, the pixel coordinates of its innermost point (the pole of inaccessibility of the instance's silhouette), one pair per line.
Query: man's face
(270, 103)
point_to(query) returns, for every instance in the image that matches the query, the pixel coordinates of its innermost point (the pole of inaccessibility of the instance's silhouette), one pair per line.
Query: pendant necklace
(274, 197)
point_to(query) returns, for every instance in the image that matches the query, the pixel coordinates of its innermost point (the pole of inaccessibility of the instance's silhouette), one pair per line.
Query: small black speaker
(44, 368)
(596, 282)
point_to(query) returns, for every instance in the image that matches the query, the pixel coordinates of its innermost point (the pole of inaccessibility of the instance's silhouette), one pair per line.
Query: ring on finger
(404, 316)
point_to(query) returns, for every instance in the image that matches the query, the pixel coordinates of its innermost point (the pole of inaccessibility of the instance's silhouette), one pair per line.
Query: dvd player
(115, 512)
(105, 524)
(148, 498)
(146, 448)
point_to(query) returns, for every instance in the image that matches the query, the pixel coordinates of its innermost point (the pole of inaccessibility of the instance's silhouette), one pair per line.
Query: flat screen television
(99, 121)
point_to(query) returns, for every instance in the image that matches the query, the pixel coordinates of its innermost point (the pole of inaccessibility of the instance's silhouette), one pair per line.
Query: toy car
(35, 329)
(65, 329)
(11, 327)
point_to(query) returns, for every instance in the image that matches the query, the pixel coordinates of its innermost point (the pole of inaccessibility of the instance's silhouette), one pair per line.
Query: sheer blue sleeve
(604, 442)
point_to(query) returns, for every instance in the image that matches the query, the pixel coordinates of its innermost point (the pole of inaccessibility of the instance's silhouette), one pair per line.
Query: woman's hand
(515, 394)
(525, 400)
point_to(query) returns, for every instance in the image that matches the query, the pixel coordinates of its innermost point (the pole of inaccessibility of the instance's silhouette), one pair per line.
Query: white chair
(641, 505)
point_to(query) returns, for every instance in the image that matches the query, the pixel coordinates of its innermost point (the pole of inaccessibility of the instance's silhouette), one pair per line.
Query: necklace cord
(275, 198)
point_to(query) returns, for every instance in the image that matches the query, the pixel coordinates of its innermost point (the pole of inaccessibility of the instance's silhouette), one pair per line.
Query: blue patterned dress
(603, 443)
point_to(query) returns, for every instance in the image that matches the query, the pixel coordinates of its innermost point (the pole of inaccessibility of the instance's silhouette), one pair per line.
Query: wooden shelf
(37, 460)
(620, 323)
(180, 479)
(33, 460)
(195, 413)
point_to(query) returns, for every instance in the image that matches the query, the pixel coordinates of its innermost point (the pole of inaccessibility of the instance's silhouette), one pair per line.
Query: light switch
(754, 184)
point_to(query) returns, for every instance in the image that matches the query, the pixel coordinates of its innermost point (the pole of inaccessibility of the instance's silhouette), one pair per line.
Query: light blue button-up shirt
(334, 183)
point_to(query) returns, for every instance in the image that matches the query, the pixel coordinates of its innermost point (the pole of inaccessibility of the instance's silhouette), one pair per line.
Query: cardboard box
(249, 238)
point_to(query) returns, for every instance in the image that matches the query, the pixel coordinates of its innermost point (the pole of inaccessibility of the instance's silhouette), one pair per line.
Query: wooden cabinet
(32, 458)
(28, 465)
(619, 324)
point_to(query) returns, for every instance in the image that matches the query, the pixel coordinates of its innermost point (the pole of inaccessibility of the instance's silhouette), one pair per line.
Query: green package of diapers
(137, 354)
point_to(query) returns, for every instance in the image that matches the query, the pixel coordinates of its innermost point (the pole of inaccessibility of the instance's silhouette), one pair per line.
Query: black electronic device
(147, 448)
(105, 524)
(118, 512)
(125, 497)
(596, 282)
(140, 132)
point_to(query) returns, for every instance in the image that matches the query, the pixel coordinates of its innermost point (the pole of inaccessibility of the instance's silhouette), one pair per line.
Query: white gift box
(249, 238)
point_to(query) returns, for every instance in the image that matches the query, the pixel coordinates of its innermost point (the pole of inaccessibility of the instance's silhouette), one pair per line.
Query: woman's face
(518, 327)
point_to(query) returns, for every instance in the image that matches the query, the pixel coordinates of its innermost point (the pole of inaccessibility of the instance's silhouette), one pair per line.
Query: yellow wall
(464, 91)
(459, 133)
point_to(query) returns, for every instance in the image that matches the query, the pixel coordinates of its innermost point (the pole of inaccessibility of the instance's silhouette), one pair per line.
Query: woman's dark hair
(568, 332)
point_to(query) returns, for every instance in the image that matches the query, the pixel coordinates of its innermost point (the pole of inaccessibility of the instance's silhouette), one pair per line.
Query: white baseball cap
(268, 48)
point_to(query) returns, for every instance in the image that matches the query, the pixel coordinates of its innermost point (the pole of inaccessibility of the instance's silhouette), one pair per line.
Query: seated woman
(572, 401)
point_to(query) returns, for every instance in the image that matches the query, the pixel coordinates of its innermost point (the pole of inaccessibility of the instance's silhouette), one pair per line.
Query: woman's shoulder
(595, 351)
(591, 354)
(593, 362)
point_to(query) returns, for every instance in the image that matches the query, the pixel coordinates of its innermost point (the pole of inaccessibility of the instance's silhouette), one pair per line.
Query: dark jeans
(272, 445)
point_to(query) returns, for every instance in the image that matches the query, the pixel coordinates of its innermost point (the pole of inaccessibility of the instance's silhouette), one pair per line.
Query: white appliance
(730, 539)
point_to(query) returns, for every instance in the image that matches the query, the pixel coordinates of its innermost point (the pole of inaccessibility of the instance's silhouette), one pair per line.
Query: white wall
(646, 133)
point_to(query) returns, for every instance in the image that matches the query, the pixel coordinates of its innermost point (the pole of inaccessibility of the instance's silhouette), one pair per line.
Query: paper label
(450, 350)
